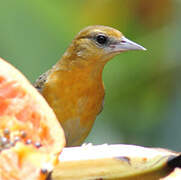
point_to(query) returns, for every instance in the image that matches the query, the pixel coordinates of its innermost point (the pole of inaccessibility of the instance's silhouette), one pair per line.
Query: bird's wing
(39, 83)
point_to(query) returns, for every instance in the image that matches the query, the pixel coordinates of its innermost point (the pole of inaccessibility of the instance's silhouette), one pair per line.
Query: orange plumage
(74, 87)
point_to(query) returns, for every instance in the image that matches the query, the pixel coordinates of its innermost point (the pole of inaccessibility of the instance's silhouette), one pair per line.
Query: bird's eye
(101, 39)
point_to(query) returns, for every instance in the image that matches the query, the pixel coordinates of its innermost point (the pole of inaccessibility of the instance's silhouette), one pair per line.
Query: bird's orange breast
(76, 96)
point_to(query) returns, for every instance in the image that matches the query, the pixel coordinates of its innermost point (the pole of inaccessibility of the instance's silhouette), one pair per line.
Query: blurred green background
(143, 89)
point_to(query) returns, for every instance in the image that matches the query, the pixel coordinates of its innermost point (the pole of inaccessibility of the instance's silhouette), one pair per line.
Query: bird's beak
(125, 45)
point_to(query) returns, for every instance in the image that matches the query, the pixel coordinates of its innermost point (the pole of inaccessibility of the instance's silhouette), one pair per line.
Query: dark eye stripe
(100, 39)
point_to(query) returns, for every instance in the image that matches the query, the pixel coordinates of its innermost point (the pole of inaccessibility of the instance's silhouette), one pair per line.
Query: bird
(73, 87)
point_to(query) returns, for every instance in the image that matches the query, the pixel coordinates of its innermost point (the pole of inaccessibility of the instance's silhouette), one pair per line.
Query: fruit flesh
(30, 135)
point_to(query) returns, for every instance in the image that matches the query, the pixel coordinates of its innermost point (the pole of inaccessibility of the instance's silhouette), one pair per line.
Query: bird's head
(99, 44)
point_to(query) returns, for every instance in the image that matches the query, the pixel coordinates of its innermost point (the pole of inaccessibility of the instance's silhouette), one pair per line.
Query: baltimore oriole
(73, 87)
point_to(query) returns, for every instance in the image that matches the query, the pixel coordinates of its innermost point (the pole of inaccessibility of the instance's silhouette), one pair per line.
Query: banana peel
(175, 175)
(124, 162)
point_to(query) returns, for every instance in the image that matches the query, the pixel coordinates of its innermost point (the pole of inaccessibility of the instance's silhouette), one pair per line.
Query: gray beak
(126, 45)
